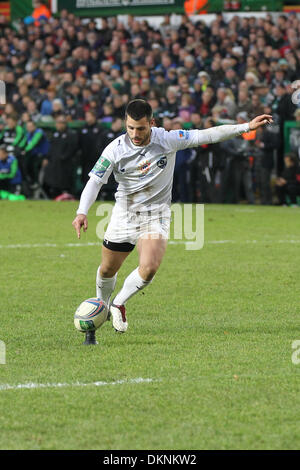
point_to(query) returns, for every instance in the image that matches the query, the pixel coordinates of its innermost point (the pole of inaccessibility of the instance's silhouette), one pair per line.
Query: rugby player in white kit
(142, 161)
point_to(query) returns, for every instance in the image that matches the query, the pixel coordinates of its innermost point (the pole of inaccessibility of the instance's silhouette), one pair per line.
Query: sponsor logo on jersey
(183, 134)
(144, 167)
(101, 167)
(162, 162)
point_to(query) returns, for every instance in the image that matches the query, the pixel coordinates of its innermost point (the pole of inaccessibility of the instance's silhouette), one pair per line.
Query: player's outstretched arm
(260, 121)
(80, 221)
(181, 139)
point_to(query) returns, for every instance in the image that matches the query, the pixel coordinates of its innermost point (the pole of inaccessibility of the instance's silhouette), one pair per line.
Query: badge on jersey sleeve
(183, 135)
(101, 166)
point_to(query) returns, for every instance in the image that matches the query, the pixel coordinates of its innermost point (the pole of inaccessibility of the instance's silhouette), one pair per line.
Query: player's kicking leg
(106, 278)
(151, 249)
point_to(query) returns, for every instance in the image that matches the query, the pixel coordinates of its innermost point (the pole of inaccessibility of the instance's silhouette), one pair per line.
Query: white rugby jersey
(145, 174)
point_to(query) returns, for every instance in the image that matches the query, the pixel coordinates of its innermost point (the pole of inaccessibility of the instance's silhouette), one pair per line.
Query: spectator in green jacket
(12, 134)
(31, 151)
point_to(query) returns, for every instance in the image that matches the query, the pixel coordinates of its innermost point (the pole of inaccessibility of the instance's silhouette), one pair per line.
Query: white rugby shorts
(128, 227)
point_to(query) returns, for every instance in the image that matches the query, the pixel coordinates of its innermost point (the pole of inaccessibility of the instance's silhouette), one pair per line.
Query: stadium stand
(201, 74)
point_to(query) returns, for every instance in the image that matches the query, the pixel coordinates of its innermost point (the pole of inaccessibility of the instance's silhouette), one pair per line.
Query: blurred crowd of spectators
(193, 75)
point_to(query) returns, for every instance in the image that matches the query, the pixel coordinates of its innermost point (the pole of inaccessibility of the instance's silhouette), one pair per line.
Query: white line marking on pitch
(32, 385)
(171, 242)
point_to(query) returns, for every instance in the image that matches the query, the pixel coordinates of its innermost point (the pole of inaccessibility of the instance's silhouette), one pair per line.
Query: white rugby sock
(132, 284)
(105, 286)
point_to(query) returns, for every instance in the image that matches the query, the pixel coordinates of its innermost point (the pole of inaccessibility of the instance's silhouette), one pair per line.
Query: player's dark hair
(137, 109)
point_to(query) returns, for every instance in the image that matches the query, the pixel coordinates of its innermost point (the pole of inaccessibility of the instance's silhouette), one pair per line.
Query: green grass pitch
(213, 332)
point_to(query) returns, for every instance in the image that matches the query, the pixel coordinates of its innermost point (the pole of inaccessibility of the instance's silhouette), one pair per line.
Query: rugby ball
(90, 315)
